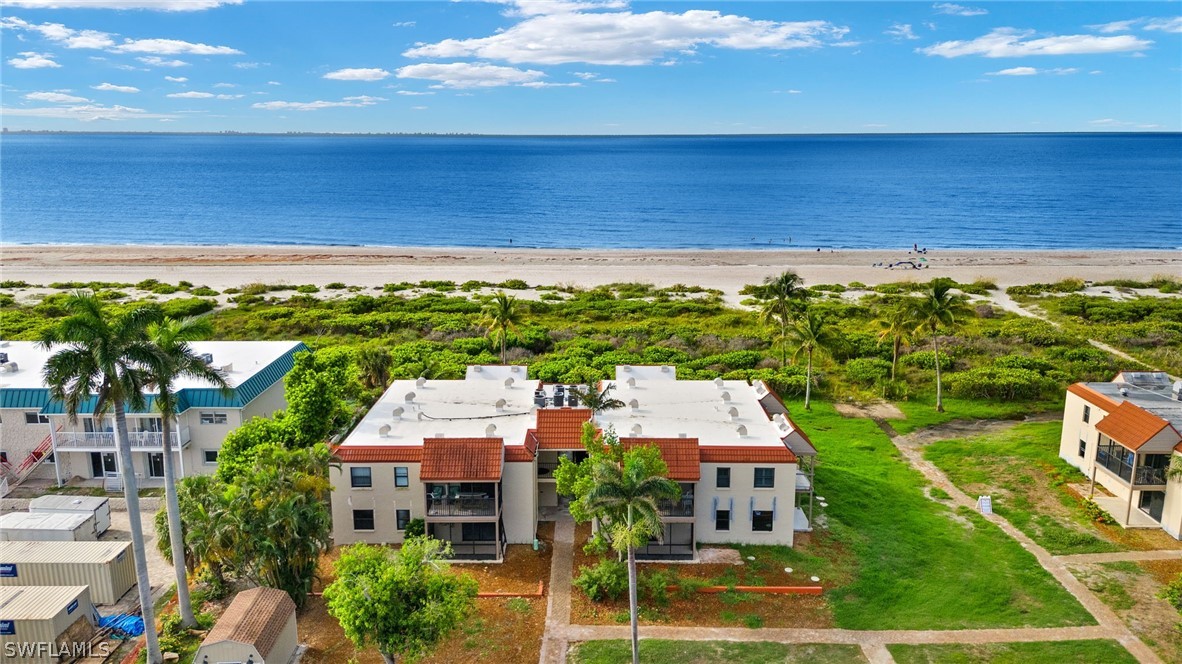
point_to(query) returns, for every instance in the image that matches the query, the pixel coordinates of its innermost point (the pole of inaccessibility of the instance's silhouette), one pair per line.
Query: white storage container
(98, 506)
(26, 527)
(108, 568)
(36, 621)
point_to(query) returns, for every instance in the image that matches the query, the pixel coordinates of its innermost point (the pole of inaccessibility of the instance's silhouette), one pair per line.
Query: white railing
(140, 440)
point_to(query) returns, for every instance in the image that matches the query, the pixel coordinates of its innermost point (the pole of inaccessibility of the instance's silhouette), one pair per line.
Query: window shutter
(775, 514)
(751, 509)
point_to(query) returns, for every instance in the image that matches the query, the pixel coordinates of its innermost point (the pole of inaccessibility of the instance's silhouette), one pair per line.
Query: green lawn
(1042, 652)
(1022, 469)
(656, 651)
(921, 411)
(914, 563)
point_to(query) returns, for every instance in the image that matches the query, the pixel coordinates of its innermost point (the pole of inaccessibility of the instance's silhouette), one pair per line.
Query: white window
(209, 457)
(213, 418)
(36, 418)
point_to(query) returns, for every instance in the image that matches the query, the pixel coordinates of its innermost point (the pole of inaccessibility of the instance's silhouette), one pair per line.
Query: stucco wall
(226, 651)
(520, 509)
(742, 489)
(383, 498)
(18, 439)
(1171, 516)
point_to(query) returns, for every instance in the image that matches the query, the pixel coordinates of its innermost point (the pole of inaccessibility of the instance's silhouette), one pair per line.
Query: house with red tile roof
(1124, 435)
(474, 458)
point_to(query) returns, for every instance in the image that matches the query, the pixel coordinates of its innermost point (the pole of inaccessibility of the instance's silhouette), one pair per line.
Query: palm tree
(501, 316)
(896, 323)
(102, 358)
(782, 298)
(374, 363)
(176, 359)
(590, 396)
(628, 494)
(811, 334)
(938, 307)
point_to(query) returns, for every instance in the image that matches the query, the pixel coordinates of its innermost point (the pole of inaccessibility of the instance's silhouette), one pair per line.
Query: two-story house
(1123, 435)
(475, 457)
(38, 439)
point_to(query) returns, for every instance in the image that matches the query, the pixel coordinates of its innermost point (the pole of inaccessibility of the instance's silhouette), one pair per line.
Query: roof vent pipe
(420, 381)
(501, 405)
(410, 397)
(477, 368)
(682, 435)
(726, 396)
(733, 412)
(384, 430)
(718, 383)
(636, 429)
(634, 405)
(508, 382)
(666, 369)
(632, 382)
(490, 431)
(398, 412)
(627, 368)
(742, 430)
(440, 435)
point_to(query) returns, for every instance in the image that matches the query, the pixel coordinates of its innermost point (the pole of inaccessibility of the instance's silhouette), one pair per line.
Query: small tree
(374, 362)
(897, 325)
(315, 390)
(783, 297)
(590, 396)
(501, 316)
(402, 602)
(811, 334)
(939, 309)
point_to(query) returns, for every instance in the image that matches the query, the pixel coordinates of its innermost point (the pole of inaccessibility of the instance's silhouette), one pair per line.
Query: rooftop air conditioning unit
(3, 358)
(207, 358)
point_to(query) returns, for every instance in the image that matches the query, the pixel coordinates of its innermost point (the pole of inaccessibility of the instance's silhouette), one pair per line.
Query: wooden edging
(759, 590)
(539, 593)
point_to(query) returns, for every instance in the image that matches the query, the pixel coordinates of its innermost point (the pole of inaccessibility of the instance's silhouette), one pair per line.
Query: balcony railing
(461, 506)
(1114, 464)
(546, 469)
(1150, 475)
(683, 507)
(96, 440)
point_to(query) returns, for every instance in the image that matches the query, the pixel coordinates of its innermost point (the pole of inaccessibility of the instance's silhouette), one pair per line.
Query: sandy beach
(728, 270)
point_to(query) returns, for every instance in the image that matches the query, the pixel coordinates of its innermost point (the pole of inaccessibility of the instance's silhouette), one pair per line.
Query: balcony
(1150, 475)
(465, 499)
(1115, 464)
(677, 508)
(95, 441)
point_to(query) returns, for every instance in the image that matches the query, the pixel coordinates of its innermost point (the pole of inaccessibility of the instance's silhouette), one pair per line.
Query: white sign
(985, 504)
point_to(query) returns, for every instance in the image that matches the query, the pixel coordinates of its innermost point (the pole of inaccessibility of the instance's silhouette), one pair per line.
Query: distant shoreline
(725, 269)
(49, 132)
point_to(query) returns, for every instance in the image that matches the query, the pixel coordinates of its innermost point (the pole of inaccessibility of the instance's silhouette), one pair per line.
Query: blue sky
(590, 66)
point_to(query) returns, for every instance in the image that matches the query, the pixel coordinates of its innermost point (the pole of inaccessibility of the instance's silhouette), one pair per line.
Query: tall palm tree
(176, 359)
(896, 324)
(782, 298)
(102, 359)
(501, 315)
(939, 308)
(811, 334)
(629, 493)
(374, 363)
(590, 396)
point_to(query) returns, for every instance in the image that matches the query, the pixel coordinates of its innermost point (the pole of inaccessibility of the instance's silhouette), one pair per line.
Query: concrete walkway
(555, 639)
(1118, 556)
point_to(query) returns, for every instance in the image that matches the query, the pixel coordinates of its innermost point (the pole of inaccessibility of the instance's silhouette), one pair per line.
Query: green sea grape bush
(1000, 383)
(606, 580)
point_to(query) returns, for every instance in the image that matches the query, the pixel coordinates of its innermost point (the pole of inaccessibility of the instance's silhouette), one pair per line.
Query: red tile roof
(256, 617)
(379, 453)
(680, 454)
(1093, 397)
(746, 454)
(1131, 426)
(519, 453)
(561, 428)
(466, 459)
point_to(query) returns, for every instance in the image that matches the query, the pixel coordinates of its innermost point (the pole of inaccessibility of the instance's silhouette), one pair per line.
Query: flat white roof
(496, 372)
(62, 552)
(645, 372)
(699, 409)
(243, 358)
(36, 602)
(454, 408)
(44, 520)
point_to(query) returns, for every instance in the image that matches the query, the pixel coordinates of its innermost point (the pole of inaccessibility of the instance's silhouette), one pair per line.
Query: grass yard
(657, 651)
(908, 553)
(921, 410)
(1130, 589)
(1039, 652)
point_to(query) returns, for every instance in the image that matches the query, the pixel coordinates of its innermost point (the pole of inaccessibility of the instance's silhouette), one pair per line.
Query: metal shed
(107, 567)
(259, 627)
(26, 527)
(99, 506)
(37, 621)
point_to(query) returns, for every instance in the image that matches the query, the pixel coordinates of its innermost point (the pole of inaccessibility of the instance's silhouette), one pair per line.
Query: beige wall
(285, 646)
(520, 507)
(742, 489)
(383, 498)
(19, 439)
(1075, 429)
(1171, 515)
(226, 651)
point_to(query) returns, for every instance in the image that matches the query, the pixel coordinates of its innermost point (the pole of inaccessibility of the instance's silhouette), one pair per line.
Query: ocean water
(1021, 191)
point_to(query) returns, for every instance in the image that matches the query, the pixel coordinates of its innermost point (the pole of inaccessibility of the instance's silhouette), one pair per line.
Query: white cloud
(541, 7)
(1095, 72)
(1007, 43)
(786, 92)
(626, 38)
(605, 80)
(225, 85)
(56, 98)
(418, 108)
(191, 94)
(347, 102)
(158, 5)
(1112, 122)
(412, 93)
(404, 24)
(1031, 71)
(1165, 24)
(274, 83)
(110, 87)
(157, 61)
(172, 47)
(874, 125)
(958, 10)
(249, 65)
(1115, 26)
(176, 79)
(31, 60)
(84, 112)
(901, 31)
(586, 75)
(469, 74)
(373, 74)
(544, 84)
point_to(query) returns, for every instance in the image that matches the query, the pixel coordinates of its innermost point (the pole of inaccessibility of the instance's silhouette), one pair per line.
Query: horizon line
(231, 132)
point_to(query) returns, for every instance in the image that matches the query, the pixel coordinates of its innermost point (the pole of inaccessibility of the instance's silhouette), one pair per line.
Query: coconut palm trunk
(176, 537)
(131, 495)
(633, 603)
(808, 380)
(939, 386)
(895, 357)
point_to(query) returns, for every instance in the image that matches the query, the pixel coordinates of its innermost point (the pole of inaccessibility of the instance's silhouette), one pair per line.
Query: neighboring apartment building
(474, 458)
(1123, 435)
(32, 426)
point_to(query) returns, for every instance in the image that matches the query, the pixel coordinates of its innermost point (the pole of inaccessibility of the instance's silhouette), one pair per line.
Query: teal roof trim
(201, 397)
(27, 397)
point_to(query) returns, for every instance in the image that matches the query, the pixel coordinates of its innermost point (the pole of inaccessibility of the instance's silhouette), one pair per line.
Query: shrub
(608, 579)
(307, 288)
(12, 283)
(867, 370)
(185, 307)
(518, 605)
(335, 285)
(926, 359)
(1172, 593)
(400, 286)
(203, 291)
(688, 587)
(1035, 332)
(415, 528)
(513, 284)
(1097, 513)
(999, 383)
(1024, 362)
(1062, 286)
(654, 586)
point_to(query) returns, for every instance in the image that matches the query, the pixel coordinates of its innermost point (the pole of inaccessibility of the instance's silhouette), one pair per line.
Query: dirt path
(1118, 556)
(555, 640)
(911, 446)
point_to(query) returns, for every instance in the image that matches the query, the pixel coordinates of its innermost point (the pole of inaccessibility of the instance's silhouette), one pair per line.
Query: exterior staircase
(11, 476)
